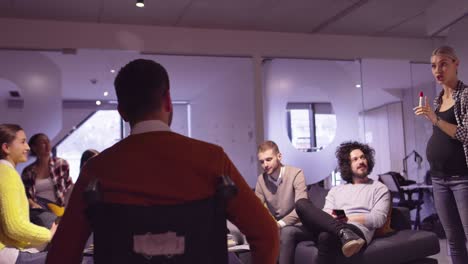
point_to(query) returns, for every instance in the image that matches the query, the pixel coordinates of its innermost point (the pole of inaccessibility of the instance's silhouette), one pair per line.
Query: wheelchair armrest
(92, 193)
(226, 188)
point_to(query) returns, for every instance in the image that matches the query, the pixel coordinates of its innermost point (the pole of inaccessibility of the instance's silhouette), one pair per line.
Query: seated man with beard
(364, 201)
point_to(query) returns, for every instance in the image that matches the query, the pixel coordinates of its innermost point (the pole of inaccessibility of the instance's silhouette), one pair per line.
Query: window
(99, 131)
(336, 178)
(103, 129)
(311, 126)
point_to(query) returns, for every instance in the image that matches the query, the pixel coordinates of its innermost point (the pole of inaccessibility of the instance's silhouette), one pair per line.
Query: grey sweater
(371, 199)
(281, 199)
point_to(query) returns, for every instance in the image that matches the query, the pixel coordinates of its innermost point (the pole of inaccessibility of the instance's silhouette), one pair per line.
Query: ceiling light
(140, 3)
(112, 71)
(98, 102)
(358, 86)
(106, 93)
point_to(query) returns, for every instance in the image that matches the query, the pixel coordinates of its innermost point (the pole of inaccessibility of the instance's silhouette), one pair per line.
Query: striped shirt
(460, 96)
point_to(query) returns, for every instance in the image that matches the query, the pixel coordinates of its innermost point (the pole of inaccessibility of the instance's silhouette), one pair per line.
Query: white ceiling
(396, 18)
(88, 73)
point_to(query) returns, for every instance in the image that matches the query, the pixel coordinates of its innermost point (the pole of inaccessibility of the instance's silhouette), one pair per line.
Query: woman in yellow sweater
(20, 240)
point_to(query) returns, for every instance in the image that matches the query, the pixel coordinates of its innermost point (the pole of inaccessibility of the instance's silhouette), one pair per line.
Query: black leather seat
(193, 232)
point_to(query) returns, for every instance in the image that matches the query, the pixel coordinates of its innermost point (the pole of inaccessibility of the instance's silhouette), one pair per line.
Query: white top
(6, 162)
(278, 181)
(8, 255)
(45, 189)
(149, 126)
(371, 199)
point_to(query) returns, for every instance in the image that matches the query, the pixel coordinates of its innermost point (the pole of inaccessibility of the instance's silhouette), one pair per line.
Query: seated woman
(87, 154)
(18, 236)
(47, 180)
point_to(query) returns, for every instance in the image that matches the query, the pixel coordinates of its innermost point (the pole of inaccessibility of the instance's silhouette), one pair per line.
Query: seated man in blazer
(156, 164)
(279, 187)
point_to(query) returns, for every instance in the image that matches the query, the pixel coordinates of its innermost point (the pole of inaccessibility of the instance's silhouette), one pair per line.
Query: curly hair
(344, 162)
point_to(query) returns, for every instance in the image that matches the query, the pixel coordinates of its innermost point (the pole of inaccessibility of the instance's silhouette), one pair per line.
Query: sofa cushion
(401, 247)
(386, 229)
(400, 217)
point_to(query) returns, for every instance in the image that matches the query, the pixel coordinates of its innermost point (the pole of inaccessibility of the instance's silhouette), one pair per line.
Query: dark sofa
(403, 246)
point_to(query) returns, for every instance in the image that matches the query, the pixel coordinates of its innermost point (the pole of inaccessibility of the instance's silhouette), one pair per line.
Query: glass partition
(390, 92)
(312, 106)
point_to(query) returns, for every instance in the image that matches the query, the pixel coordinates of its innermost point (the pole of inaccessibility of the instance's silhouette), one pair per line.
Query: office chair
(193, 232)
(404, 198)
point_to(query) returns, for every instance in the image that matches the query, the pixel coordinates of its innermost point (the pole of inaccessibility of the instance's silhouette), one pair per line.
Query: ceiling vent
(14, 94)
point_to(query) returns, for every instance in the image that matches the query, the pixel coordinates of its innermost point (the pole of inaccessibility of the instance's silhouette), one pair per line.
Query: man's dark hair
(344, 161)
(140, 86)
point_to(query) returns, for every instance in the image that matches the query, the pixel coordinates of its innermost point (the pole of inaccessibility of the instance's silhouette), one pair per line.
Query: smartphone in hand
(339, 213)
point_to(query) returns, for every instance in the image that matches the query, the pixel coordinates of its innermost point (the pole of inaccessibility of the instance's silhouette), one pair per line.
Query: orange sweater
(164, 168)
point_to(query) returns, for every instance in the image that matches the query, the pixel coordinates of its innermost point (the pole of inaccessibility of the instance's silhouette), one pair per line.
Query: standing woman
(447, 150)
(18, 236)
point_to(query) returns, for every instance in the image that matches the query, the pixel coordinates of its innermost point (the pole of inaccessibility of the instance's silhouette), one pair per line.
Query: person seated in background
(279, 187)
(365, 204)
(19, 238)
(153, 167)
(87, 154)
(47, 181)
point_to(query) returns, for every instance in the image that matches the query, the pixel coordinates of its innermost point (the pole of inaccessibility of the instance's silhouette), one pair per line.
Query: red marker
(421, 95)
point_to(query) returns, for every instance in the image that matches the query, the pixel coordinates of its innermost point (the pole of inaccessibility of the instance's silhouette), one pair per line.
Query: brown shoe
(351, 242)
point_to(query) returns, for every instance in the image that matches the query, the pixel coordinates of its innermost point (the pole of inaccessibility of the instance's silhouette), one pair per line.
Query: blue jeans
(451, 202)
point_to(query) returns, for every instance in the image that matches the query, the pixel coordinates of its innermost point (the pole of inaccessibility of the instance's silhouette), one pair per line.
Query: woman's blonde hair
(445, 51)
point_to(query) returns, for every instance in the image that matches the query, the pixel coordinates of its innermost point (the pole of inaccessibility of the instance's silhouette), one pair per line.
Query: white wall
(289, 80)
(417, 129)
(44, 34)
(385, 133)
(458, 39)
(38, 81)
(237, 123)
(384, 81)
(387, 81)
(220, 92)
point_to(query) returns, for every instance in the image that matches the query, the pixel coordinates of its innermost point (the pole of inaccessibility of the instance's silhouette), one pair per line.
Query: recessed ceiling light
(358, 86)
(98, 102)
(112, 71)
(106, 93)
(140, 3)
